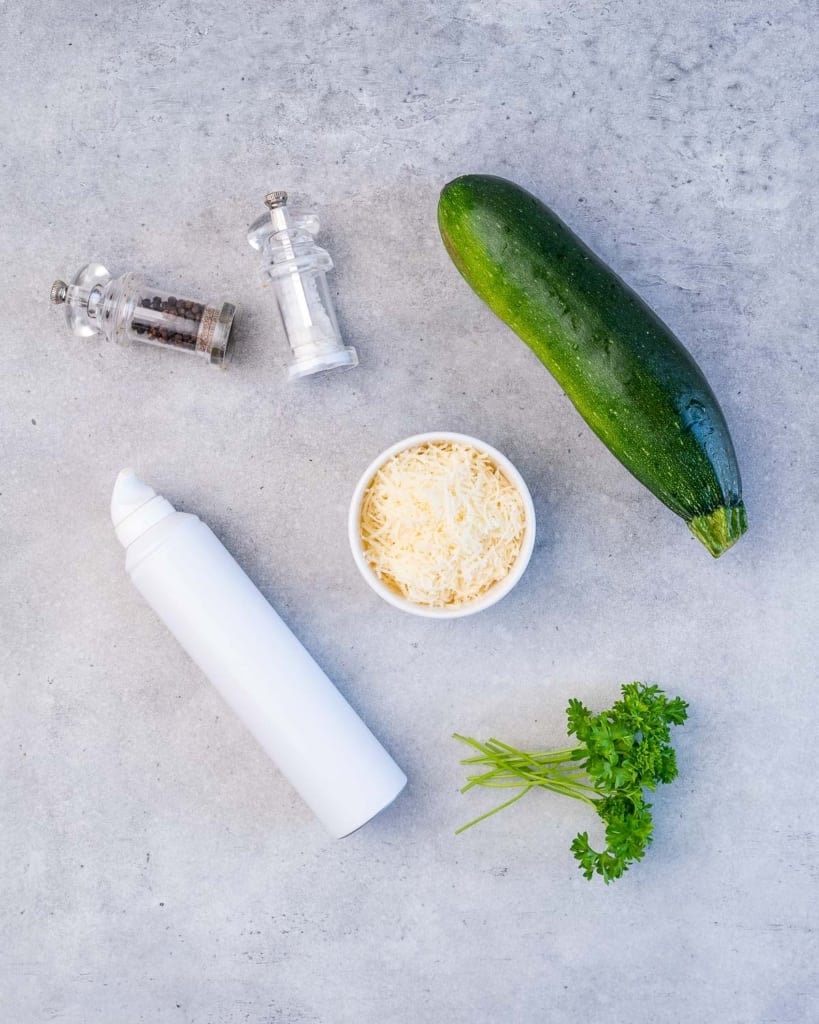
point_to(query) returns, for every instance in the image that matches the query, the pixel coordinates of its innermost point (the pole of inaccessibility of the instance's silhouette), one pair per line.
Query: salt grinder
(297, 269)
(127, 309)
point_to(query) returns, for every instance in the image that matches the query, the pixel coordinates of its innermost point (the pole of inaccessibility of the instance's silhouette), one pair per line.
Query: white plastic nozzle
(135, 507)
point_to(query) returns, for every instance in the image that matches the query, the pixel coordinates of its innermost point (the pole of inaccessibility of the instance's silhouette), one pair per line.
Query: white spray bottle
(219, 617)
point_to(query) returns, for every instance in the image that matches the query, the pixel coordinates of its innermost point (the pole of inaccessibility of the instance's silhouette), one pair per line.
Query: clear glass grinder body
(127, 309)
(296, 267)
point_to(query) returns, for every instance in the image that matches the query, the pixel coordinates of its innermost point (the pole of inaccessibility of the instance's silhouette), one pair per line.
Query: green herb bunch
(619, 754)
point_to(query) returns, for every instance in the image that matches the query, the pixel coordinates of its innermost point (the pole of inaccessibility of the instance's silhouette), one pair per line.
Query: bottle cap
(135, 507)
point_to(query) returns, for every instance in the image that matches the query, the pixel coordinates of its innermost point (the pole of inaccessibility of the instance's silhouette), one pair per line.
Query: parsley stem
(510, 768)
(494, 810)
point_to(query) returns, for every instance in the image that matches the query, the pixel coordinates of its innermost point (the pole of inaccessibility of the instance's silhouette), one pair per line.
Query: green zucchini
(627, 375)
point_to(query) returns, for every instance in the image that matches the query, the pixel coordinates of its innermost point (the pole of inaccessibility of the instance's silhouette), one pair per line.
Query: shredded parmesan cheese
(441, 524)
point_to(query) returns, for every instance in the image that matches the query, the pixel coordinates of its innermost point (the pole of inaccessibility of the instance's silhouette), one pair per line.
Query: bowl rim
(496, 592)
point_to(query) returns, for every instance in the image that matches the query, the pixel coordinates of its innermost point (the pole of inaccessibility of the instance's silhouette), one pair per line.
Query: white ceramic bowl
(496, 592)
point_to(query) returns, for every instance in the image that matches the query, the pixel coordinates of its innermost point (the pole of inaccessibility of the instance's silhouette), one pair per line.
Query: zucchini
(626, 373)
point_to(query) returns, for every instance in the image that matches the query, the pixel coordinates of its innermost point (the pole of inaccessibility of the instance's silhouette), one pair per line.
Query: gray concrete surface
(153, 865)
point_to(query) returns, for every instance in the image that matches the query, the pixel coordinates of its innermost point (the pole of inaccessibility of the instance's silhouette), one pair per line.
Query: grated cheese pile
(440, 524)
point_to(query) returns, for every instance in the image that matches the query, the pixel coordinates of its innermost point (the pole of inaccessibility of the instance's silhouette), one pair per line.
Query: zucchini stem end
(720, 529)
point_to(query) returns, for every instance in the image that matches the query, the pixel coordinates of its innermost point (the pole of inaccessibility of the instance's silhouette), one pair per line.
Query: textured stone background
(153, 865)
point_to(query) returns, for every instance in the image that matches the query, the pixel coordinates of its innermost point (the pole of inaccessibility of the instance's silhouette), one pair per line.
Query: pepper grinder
(126, 309)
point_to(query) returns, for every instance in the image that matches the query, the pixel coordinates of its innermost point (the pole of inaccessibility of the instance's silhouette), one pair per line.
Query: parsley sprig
(619, 753)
